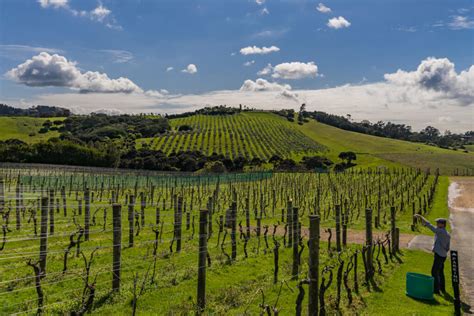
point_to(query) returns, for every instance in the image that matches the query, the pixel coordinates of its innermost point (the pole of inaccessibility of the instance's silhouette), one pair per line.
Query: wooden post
(201, 289)
(2, 193)
(233, 229)
(289, 221)
(117, 246)
(43, 235)
(296, 264)
(369, 241)
(247, 216)
(63, 196)
(157, 216)
(87, 213)
(131, 219)
(313, 244)
(51, 212)
(142, 208)
(178, 223)
(393, 232)
(79, 207)
(338, 228)
(18, 205)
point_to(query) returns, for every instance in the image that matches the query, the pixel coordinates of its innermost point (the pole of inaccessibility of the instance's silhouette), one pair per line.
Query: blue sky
(140, 39)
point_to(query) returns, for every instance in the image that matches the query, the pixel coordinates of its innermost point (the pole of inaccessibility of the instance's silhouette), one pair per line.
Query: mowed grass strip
(25, 128)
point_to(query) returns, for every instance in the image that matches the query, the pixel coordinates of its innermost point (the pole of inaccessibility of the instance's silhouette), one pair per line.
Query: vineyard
(247, 134)
(78, 240)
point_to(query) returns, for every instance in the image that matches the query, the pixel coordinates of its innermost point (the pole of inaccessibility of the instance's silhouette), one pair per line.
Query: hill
(248, 134)
(25, 128)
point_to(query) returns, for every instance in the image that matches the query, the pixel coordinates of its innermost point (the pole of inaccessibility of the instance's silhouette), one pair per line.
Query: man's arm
(426, 223)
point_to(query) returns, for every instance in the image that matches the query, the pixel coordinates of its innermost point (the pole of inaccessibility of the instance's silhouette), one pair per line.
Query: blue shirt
(442, 240)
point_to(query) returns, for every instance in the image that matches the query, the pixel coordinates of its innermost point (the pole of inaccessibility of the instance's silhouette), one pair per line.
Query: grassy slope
(375, 151)
(21, 127)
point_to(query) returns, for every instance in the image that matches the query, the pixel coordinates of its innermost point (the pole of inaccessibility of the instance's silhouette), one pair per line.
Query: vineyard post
(338, 228)
(131, 218)
(369, 241)
(51, 212)
(294, 271)
(63, 196)
(313, 244)
(43, 235)
(79, 207)
(247, 216)
(393, 231)
(117, 246)
(18, 204)
(87, 213)
(233, 231)
(157, 215)
(2, 194)
(201, 289)
(289, 219)
(142, 206)
(178, 223)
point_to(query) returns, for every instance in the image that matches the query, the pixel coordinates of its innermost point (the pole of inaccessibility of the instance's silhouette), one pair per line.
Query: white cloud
(260, 2)
(264, 11)
(254, 50)
(157, 94)
(261, 85)
(322, 8)
(190, 69)
(266, 71)
(100, 13)
(168, 69)
(53, 3)
(461, 22)
(249, 63)
(295, 70)
(55, 70)
(337, 23)
(438, 75)
(25, 51)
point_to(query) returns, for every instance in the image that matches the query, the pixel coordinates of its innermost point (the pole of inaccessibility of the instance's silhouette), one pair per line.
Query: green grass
(25, 128)
(373, 151)
(392, 299)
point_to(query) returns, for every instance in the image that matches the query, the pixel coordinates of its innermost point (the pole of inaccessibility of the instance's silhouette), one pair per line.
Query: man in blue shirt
(440, 249)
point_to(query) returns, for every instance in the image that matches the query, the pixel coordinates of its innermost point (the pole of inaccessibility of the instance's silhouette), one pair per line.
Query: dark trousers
(437, 271)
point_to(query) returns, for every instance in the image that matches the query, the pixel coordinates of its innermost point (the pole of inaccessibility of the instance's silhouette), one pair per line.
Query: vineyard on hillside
(118, 243)
(249, 134)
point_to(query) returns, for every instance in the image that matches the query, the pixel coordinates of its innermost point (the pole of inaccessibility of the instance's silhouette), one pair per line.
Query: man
(440, 249)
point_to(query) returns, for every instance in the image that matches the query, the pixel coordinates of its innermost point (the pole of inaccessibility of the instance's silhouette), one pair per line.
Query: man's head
(441, 222)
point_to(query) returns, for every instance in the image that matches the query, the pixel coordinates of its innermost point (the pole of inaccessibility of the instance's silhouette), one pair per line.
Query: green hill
(248, 134)
(25, 128)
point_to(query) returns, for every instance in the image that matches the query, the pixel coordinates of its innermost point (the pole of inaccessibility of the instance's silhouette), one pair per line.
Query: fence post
(18, 205)
(142, 208)
(131, 219)
(294, 220)
(51, 212)
(87, 213)
(338, 228)
(234, 228)
(201, 289)
(369, 241)
(313, 244)
(393, 232)
(178, 220)
(455, 281)
(289, 220)
(43, 235)
(63, 196)
(117, 246)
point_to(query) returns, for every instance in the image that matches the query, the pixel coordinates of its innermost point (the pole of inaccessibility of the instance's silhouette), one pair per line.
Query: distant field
(252, 135)
(376, 151)
(25, 129)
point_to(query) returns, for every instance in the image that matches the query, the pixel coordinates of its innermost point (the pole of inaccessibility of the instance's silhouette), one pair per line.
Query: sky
(403, 61)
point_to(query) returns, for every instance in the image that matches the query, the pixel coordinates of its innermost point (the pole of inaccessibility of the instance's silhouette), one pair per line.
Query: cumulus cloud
(438, 75)
(168, 69)
(53, 3)
(190, 69)
(295, 70)
(461, 23)
(338, 23)
(266, 71)
(254, 50)
(249, 63)
(157, 94)
(100, 13)
(55, 70)
(322, 8)
(261, 85)
(260, 2)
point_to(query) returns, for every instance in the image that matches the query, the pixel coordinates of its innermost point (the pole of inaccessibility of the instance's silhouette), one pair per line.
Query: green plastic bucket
(420, 286)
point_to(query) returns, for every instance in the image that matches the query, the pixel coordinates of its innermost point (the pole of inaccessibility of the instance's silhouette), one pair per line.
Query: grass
(392, 299)
(25, 129)
(373, 151)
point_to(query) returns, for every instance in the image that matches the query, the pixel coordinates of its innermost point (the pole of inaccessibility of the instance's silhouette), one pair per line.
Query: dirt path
(461, 205)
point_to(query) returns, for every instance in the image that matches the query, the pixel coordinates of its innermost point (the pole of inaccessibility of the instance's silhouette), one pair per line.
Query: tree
(348, 156)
